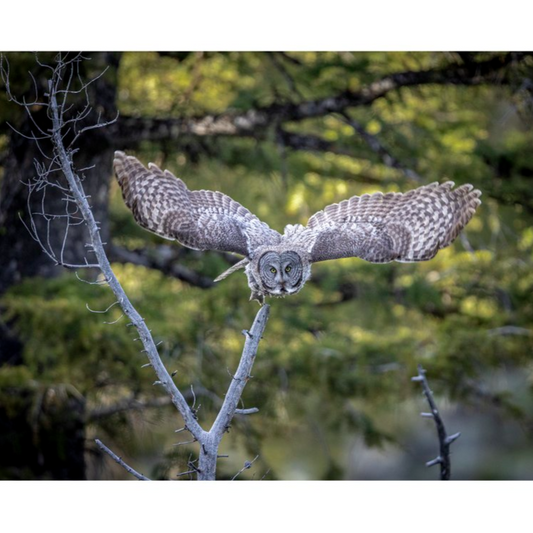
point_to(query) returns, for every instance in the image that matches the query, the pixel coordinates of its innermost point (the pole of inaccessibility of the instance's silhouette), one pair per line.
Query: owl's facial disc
(281, 274)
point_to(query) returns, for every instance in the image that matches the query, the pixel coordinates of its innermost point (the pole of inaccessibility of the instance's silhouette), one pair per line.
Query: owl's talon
(258, 297)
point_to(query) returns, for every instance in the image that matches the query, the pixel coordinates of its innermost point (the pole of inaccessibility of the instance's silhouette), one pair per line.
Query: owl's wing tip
(119, 159)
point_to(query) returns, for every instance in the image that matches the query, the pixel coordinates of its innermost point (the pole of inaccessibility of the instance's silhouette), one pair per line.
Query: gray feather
(202, 220)
(394, 226)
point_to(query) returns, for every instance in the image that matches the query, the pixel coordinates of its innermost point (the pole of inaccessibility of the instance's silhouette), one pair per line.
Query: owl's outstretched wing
(202, 220)
(380, 228)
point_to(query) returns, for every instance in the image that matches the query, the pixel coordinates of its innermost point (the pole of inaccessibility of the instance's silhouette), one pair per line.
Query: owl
(379, 228)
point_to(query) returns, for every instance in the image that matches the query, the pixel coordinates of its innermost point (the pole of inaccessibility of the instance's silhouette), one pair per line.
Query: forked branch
(60, 161)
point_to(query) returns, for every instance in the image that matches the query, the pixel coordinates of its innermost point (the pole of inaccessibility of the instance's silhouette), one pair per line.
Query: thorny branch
(247, 466)
(443, 459)
(208, 451)
(59, 162)
(118, 460)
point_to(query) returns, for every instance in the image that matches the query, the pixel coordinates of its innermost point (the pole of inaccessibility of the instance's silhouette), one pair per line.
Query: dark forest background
(284, 134)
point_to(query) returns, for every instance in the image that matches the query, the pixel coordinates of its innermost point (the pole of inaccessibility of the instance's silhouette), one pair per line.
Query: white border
(284, 506)
(413, 25)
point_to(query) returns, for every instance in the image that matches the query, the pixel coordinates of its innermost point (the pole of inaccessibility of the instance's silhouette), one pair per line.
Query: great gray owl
(375, 227)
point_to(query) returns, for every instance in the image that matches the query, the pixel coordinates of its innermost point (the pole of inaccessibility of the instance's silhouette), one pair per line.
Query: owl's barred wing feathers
(202, 220)
(392, 227)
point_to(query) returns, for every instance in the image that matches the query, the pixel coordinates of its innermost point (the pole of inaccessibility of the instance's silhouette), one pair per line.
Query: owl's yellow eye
(273, 270)
(288, 269)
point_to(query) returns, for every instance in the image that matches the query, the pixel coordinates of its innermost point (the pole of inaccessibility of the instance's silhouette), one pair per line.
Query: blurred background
(284, 134)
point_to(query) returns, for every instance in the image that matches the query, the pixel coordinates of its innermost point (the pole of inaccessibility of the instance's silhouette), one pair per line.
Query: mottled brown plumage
(379, 228)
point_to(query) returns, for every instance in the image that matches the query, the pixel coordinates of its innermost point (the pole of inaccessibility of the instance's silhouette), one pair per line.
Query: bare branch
(193, 469)
(208, 452)
(247, 466)
(104, 311)
(443, 459)
(5, 75)
(242, 375)
(185, 442)
(118, 460)
(77, 210)
(76, 187)
(249, 411)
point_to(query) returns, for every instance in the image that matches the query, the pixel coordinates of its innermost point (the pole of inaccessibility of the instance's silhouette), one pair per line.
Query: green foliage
(62, 339)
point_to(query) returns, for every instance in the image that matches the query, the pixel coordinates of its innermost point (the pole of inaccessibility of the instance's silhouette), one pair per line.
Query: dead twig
(118, 460)
(443, 459)
(247, 466)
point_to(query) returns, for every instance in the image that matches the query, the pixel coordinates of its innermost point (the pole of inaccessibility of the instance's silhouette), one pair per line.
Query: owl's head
(280, 272)
(274, 271)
